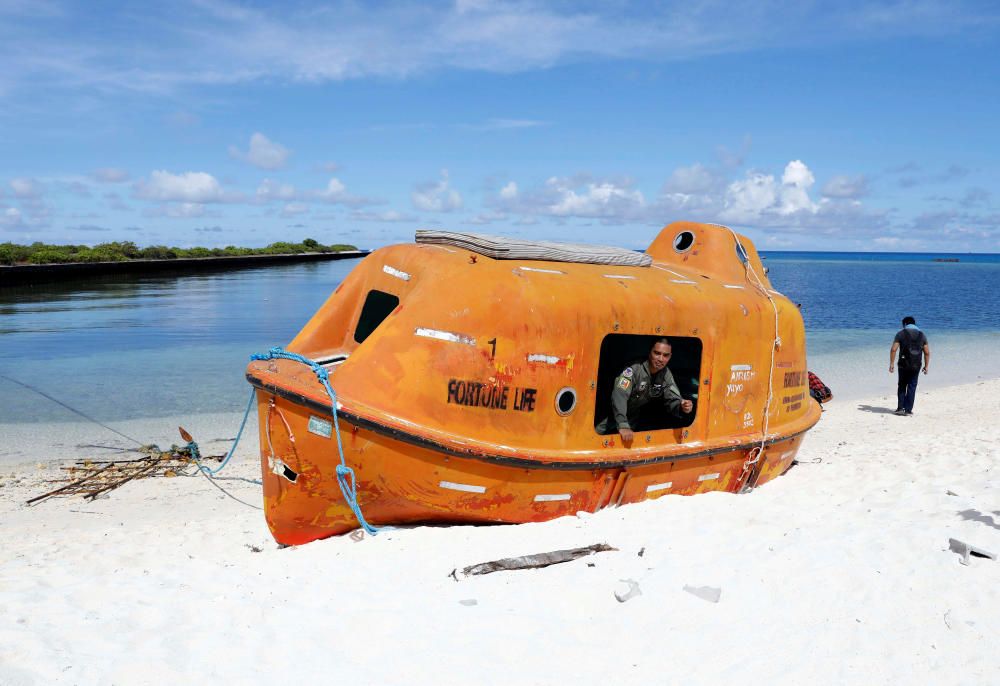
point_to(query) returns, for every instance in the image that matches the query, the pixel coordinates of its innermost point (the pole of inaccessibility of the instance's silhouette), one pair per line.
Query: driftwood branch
(136, 473)
(536, 561)
(70, 486)
(92, 479)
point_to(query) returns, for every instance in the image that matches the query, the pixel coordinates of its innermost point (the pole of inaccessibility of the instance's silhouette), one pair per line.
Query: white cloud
(577, 196)
(777, 241)
(691, 180)
(696, 191)
(436, 197)
(887, 241)
(26, 188)
(89, 227)
(293, 209)
(974, 234)
(484, 218)
(110, 175)
(263, 153)
(11, 219)
(746, 200)
(190, 187)
(215, 42)
(115, 202)
(964, 230)
(386, 216)
(896, 243)
(760, 196)
(498, 124)
(335, 190)
(180, 210)
(797, 174)
(598, 199)
(334, 193)
(77, 188)
(846, 187)
(796, 182)
(30, 194)
(274, 190)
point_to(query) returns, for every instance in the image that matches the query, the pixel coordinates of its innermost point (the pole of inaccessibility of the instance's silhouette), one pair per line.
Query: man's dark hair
(660, 340)
(909, 320)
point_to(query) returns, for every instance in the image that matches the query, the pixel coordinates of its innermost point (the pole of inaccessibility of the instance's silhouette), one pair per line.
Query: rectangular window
(378, 305)
(619, 351)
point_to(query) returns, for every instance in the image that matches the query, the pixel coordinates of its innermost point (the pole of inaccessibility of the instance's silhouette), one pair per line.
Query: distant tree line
(43, 253)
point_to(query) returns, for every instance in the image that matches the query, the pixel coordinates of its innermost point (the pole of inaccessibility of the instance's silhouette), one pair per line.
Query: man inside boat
(640, 384)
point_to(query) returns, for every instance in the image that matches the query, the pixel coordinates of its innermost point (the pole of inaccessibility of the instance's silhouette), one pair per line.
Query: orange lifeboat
(471, 377)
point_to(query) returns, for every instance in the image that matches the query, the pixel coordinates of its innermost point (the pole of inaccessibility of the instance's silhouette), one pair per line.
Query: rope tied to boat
(196, 454)
(345, 474)
(754, 456)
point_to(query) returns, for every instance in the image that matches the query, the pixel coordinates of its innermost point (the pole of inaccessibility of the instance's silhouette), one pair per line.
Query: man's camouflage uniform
(634, 387)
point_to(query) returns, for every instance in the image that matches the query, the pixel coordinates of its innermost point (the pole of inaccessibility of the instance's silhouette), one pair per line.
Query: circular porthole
(683, 241)
(565, 401)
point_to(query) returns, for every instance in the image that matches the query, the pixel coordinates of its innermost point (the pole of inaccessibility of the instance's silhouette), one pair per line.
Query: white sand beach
(838, 572)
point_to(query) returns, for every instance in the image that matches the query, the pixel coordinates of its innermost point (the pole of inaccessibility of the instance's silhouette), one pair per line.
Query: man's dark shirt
(636, 386)
(910, 338)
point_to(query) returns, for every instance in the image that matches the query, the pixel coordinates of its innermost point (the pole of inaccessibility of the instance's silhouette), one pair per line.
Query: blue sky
(806, 125)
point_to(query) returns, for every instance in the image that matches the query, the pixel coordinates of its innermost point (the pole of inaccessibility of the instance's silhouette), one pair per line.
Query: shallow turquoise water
(167, 345)
(164, 345)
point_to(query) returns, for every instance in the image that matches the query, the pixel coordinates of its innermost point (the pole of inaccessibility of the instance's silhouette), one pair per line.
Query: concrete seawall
(40, 273)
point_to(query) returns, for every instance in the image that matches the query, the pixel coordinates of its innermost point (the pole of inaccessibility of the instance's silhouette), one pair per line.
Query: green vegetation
(42, 253)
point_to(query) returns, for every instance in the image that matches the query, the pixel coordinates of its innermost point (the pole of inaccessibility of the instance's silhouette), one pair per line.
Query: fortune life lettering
(491, 396)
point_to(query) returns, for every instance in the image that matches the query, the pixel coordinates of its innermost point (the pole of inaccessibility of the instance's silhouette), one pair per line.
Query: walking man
(912, 345)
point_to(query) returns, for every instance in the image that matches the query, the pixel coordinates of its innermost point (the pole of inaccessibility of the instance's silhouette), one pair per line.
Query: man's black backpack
(911, 350)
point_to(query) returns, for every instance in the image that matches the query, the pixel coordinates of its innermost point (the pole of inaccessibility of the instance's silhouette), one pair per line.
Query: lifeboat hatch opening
(378, 305)
(619, 351)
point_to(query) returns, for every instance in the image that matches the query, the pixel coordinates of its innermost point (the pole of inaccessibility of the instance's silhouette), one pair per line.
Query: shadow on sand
(977, 516)
(875, 410)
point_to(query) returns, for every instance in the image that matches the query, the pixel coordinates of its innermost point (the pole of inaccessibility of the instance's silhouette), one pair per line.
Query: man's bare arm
(927, 357)
(892, 355)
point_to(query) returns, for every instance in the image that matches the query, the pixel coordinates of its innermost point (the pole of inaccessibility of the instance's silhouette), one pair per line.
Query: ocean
(128, 347)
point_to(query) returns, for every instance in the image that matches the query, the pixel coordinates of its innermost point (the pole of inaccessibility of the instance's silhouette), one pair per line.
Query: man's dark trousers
(906, 391)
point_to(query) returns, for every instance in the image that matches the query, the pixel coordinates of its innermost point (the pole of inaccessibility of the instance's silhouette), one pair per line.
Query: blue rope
(196, 454)
(349, 490)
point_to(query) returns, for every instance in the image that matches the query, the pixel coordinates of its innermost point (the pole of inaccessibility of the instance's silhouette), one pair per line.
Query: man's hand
(925, 369)
(626, 435)
(686, 406)
(890, 367)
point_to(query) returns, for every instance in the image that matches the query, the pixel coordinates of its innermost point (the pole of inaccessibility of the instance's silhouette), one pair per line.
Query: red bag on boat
(818, 389)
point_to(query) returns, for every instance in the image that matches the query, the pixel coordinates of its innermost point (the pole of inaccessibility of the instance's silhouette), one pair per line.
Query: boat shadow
(875, 410)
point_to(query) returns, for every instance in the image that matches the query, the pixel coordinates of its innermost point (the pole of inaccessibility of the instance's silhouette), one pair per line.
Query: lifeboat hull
(404, 480)
(476, 388)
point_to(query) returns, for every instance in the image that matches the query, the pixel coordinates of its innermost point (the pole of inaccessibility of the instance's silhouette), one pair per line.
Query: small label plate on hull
(320, 427)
